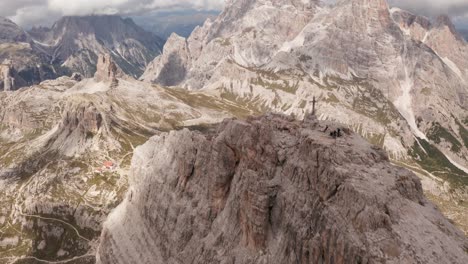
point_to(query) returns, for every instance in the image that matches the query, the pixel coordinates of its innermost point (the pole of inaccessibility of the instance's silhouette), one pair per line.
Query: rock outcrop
(30, 62)
(274, 190)
(173, 63)
(397, 79)
(108, 71)
(76, 41)
(7, 82)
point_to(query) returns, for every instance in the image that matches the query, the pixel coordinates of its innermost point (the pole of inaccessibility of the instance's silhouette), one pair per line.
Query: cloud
(33, 12)
(454, 8)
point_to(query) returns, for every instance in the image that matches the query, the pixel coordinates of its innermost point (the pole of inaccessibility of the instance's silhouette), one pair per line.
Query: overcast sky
(457, 9)
(34, 12)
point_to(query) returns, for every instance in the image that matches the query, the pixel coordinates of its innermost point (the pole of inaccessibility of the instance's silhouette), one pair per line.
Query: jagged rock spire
(7, 81)
(107, 70)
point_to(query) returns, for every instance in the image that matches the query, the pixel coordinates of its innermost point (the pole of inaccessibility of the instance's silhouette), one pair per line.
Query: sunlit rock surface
(274, 190)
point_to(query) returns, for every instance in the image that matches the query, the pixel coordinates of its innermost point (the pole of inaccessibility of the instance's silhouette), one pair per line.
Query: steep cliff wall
(274, 190)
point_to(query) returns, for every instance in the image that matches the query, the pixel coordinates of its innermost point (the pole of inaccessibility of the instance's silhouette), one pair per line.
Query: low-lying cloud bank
(33, 12)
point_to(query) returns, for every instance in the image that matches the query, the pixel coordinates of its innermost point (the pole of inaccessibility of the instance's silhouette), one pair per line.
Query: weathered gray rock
(171, 67)
(274, 190)
(392, 76)
(76, 42)
(7, 82)
(65, 150)
(30, 63)
(108, 71)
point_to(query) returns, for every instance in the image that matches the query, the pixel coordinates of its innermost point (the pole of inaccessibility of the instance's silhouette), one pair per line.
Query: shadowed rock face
(22, 63)
(76, 43)
(273, 190)
(108, 71)
(11, 32)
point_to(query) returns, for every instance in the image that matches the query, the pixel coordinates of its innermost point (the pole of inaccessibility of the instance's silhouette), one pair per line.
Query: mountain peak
(76, 41)
(445, 21)
(368, 12)
(107, 70)
(273, 190)
(11, 32)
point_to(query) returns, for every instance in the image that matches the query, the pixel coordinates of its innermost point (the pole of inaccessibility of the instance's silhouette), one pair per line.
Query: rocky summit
(116, 150)
(73, 44)
(274, 190)
(396, 78)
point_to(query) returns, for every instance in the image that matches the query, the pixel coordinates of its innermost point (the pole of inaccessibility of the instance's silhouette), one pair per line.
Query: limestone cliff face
(441, 37)
(393, 77)
(108, 71)
(31, 65)
(171, 67)
(75, 42)
(274, 190)
(10, 78)
(7, 82)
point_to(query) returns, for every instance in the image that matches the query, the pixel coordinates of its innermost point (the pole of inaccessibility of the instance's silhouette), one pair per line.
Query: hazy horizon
(28, 13)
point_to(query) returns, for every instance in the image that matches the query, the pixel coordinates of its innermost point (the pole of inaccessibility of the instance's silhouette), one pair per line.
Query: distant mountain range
(22, 61)
(73, 44)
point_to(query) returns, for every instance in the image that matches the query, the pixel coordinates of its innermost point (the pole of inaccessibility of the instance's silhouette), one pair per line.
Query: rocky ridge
(65, 150)
(76, 42)
(274, 190)
(73, 44)
(21, 58)
(387, 74)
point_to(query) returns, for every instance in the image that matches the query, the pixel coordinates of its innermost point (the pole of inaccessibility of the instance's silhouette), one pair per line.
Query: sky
(456, 9)
(28, 13)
